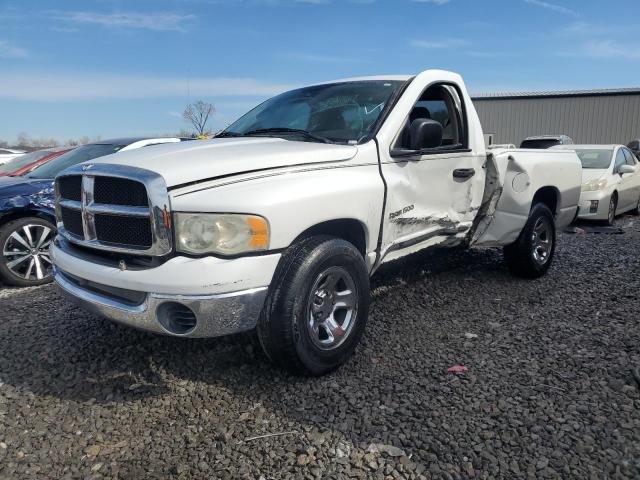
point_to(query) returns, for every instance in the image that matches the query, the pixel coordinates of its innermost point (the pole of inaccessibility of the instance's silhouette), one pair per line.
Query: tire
(613, 206)
(636, 211)
(532, 254)
(307, 325)
(25, 261)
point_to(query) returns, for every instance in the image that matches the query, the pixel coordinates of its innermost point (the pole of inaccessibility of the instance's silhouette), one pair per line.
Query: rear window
(24, 160)
(540, 143)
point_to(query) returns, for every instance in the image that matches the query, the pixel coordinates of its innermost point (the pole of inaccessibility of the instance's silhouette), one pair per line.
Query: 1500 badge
(406, 209)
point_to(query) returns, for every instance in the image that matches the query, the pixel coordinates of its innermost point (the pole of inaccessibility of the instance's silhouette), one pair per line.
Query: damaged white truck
(278, 222)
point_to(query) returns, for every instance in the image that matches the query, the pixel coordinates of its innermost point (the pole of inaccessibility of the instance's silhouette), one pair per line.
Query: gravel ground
(548, 392)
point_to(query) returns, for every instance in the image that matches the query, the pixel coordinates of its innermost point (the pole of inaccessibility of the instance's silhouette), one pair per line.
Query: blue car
(27, 211)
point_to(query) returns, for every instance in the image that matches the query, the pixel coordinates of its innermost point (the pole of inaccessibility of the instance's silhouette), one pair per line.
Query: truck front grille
(72, 220)
(114, 208)
(124, 230)
(120, 191)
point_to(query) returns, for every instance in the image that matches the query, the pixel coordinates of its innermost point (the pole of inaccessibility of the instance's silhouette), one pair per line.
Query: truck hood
(198, 160)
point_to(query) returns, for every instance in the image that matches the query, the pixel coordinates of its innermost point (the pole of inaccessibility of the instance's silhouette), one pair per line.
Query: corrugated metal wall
(586, 119)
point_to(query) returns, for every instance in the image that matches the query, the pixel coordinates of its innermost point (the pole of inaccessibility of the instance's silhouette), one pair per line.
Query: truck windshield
(66, 160)
(595, 158)
(337, 112)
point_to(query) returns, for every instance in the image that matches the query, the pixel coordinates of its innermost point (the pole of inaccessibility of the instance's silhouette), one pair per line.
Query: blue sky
(114, 67)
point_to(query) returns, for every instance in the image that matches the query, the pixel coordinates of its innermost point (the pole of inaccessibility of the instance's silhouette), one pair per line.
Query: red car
(27, 162)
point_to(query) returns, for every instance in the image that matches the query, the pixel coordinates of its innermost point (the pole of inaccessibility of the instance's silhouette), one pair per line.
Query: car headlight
(594, 185)
(225, 234)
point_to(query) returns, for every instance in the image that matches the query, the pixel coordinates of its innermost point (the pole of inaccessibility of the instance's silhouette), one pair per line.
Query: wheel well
(348, 229)
(10, 217)
(547, 196)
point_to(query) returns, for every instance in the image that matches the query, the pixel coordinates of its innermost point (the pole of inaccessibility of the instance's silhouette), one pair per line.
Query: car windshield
(540, 143)
(595, 158)
(337, 112)
(79, 155)
(24, 160)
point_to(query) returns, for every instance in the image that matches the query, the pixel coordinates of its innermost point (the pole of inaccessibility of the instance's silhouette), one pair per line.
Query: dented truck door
(432, 196)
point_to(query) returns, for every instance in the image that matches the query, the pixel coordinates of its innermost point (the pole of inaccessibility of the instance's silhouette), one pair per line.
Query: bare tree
(197, 114)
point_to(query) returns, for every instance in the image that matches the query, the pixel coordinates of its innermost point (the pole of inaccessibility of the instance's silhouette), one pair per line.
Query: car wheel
(636, 211)
(25, 257)
(317, 306)
(531, 255)
(613, 206)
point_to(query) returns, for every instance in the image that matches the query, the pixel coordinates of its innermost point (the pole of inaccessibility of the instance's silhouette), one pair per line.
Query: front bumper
(601, 212)
(213, 315)
(218, 296)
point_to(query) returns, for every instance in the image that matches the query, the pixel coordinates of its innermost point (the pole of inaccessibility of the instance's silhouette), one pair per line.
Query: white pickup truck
(278, 223)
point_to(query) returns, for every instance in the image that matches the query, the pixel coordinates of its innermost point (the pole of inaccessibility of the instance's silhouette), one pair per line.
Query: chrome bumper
(215, 315)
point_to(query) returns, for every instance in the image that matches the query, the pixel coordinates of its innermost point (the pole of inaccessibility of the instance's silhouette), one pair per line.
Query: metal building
(587, 116)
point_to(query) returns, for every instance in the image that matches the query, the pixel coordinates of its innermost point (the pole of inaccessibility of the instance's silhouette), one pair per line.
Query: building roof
(557, 93)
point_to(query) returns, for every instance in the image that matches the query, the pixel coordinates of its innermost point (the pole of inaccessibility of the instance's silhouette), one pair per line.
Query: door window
(441, 103)
(620, 160)
(631, 159)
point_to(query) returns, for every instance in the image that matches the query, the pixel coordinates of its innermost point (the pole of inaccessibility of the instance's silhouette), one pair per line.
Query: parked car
(279, 221)
(634, 146)
(546, 141)
(610, 181)
(8, 154)
(27, 215)
(24, 163)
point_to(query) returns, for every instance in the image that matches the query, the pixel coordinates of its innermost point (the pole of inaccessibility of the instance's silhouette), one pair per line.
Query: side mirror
(425, 133)
(626, 169)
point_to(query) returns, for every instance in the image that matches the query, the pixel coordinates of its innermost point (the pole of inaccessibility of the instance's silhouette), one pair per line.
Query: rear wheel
(317, 306)
(25, 257)
(531, 255)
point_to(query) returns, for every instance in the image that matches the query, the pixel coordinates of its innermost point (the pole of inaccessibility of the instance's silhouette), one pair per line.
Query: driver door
(432, 195)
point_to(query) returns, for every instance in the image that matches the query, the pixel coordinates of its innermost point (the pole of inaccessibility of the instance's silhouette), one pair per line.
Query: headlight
(594, 185)
(225, 234)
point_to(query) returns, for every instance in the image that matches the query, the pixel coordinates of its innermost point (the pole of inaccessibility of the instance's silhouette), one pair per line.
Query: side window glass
(629, 156)
(620, 160)
(442, 104)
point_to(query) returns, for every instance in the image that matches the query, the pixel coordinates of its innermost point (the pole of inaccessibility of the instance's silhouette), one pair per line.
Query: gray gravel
(548, 393)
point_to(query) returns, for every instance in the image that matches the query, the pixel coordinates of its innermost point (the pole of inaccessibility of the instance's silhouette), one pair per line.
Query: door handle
(464, 172)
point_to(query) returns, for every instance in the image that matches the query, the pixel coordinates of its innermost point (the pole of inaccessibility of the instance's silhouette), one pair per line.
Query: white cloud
(11, 51)
(159, 21)
(607, 49)
(553, 7)
(47, 86)
(439, 44)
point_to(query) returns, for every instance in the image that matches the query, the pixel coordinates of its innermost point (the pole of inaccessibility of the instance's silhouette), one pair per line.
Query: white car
(7, 154)
(610, 181)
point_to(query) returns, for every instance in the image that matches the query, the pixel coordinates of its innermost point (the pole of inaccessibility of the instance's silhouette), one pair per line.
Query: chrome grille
(120, 209)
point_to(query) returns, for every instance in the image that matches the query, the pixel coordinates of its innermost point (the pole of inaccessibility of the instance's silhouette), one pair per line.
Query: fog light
(594, 206)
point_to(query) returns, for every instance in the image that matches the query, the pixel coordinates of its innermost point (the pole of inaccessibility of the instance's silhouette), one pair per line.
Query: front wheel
(531, 255)
(25, 260)
(317, 306)
(613, 206)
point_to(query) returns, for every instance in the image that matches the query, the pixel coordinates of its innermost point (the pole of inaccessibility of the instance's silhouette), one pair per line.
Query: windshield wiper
(298, 131)
(229, 134)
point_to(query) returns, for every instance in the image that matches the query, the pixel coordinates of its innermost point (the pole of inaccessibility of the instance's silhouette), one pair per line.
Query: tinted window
(595, 158)
(24, 160)
(540, 143)
(340, 112)
(79, 155)
(620, 160)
